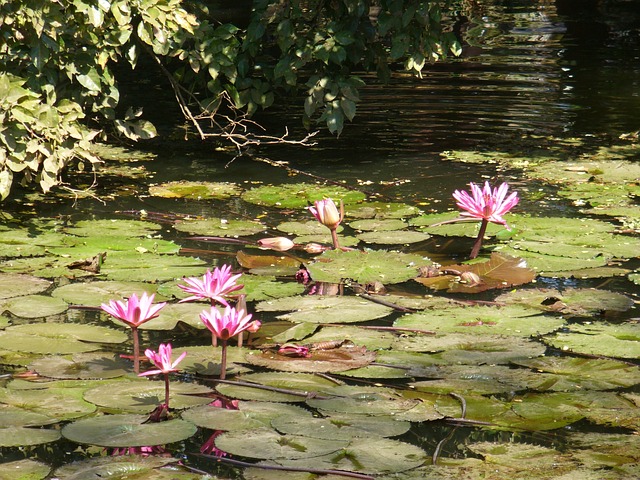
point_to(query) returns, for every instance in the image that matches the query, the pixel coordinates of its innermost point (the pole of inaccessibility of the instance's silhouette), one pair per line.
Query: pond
(522, 363)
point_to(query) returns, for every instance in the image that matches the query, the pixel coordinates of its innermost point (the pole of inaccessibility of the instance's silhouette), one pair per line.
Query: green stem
(136, 350)
(334, 237)
(223, 361)
(478, 244)
(166, 390)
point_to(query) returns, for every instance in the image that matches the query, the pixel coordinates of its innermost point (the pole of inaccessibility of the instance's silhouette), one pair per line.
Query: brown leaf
(247, 260)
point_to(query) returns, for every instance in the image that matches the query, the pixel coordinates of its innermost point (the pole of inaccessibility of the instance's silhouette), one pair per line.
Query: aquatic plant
(487, 205)
(226, 325)
(134, 312)
(327, 214)
(162, 360)
(280, 244)
(214, 286)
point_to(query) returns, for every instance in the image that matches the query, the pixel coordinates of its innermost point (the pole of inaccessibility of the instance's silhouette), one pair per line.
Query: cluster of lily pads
(357, 345)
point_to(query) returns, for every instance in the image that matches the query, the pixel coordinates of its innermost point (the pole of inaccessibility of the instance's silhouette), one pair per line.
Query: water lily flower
(485, 204)
(134, 312)
(279, 244)
(162, 360)
(327, 214)
(213, 286)
(226, 325)
(293, 350)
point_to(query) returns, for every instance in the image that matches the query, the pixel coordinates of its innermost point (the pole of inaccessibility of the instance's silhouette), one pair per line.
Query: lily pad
(81, 366)
(324, 309)
(364, 401)
(433, 224)
(14, 416)
(249, 416)
(171, 314)
(341, 427)
(96, 293)
(115, 467)
(24, 470)
(220, 227)
(61, 403)
(24, 436)
(14, 285)
(552, 265)
(127, 431)
(381, 210)
(366, 266)
(114, 227)
(482, 320)
(308, 227)
(151, 267)
(267, 443)
(205, 360)
(370, 338)
(622, 341)
(394, 237)
(195, 190)
(299, 195)
(145, 396)
(571, 301)
(34, 306)
(378, 225)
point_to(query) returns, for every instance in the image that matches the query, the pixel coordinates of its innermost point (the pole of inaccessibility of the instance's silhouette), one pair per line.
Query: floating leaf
(396, 237)
(500, 271)
(333, 360)
(206, 360)
(364, 401)
(195, 190)
(34, 306)
(81, 366)
(341, 427)
(145, 396)
(299, 195)
(266, 443)
(325, 309)
(127, 431)
(372, 339)
(432, 223)
(113, 227)
(24, 470)
(97, 293)
(13, 285)
(482, 320)
(309, 227)
(115, 467)
(250, 261)
(552, 265)
(23, 436)
(14, 416)
(381, 225)
(621, 341)
(366, 266)
(61, 403)
(381, 210)
(532, 459)
(571, 301)
(219, 227)
(151, 267)
(171, 314)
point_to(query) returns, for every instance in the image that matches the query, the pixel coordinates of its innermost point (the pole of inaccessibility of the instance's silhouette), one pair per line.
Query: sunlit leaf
(195, 190)
(299, 195)
(220, 227)
(13, 285)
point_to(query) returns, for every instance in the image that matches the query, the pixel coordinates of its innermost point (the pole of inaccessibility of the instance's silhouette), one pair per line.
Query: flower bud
(280, 244)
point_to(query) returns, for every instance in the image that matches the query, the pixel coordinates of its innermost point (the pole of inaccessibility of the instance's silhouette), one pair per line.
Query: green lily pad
(481, 320)
(319, 361)
(309, 227)
(34, 306)
(81, 366)
(16, 243)
(144, 396)
(431, 223)
(195, 190)
(533, 459)
(263, 287)
(381, 210)
(267, 443)
(372, 339)
(249, 416)
(325, 239)
(205, 360)
(24, 436)
(80, 248)
(571, 301)
(115, 227)
(61, 403)
(299, 195)
(219, 227)
(368, 456)
(96, 293)
(127, 431)
(341, 427)
(171, 314)
(14, 416)
(13, 285)
(395, 237)
(150, 267)
(621, 341)
(552, 265)
(325, 309)
(123, 466)
(364, 401)
(378, 225)
(24, 470)
(604, 171)
(366, 266)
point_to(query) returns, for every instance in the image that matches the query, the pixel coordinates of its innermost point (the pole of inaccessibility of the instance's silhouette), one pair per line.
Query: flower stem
(223, 361)
(136, 350)
(166, 390)
(478, 244)
(334, 237)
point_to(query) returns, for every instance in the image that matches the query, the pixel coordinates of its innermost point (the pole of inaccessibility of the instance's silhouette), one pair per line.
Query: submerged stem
(478, 244)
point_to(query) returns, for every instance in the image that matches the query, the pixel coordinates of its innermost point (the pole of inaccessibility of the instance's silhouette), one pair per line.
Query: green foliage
(58, 61)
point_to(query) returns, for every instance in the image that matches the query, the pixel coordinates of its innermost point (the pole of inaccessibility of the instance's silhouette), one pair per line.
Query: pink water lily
(327, 214)
(279, 244)
(226, 325)
(162, 360)
(214, 286)
(486, 203)
(134, 312)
